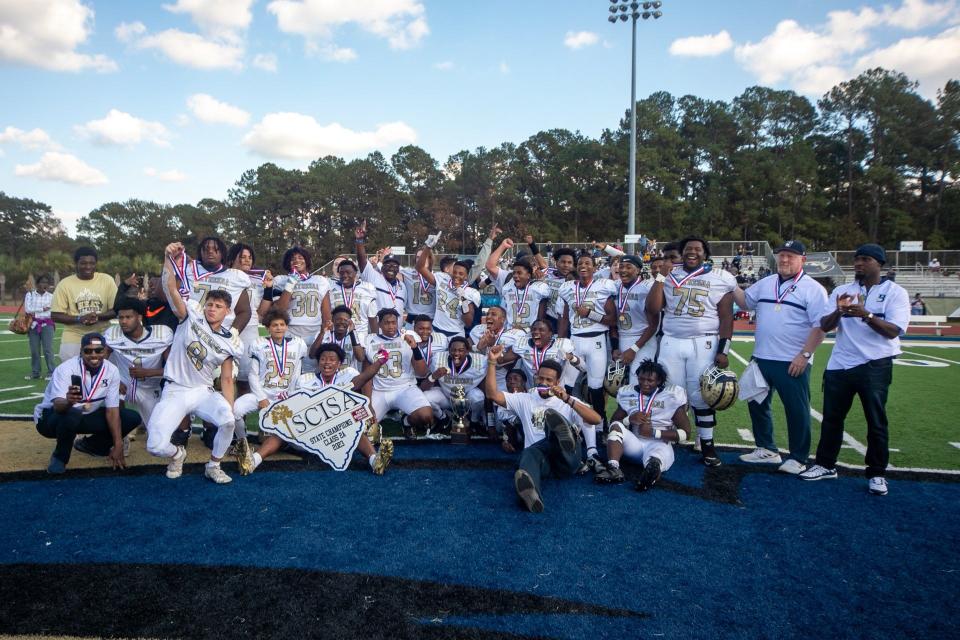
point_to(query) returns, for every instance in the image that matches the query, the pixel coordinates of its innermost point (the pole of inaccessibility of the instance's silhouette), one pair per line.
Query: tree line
(872, 160)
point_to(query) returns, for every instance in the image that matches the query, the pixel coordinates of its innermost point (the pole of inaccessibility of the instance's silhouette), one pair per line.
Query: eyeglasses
(96, 350)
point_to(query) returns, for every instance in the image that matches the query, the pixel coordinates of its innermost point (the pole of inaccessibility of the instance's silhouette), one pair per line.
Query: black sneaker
(83, 446)
(610, 475)
(527, 492)
(561, 429)
(180, 438)
(709, 453)
(651, 473)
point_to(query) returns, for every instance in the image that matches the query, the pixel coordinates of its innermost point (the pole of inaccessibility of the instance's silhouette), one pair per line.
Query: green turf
(921, 403)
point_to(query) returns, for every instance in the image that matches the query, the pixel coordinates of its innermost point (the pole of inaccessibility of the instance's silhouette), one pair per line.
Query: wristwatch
(806, 354)
(869, 317)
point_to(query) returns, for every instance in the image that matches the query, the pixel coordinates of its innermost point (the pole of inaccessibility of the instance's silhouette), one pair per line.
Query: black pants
(870, 381)
(64, 427)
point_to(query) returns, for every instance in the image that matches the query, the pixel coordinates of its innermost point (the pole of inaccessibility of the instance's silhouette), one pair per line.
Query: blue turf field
(737, 552)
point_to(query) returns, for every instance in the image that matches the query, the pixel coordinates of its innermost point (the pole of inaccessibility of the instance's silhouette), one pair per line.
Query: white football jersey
(312, 382)
(389, 296)
(531, 356)
(361, 299)
(631, 302)
(665, 404)
(200, 282)
(509, 338)
(147, 352)
(691, 307)
(594, 295)
(449, 316)
(198, 350)
(469, 374)
(345, 344)
(522, 305)
(421, 298)
(554, 280)
(435, 348)
(276, 367)
(251, 332)
(305, 302)
(397, 373)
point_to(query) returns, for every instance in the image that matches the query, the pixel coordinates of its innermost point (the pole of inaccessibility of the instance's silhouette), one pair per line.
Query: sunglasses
(95, 350)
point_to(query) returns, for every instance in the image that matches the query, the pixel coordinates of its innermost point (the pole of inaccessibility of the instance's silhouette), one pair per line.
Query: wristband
(417, 353)
(657, 433)
(353, 339)
(723, 346)
(681, 435)
(659, 278)
(431, 378)
(634, 348)
(595, 315)
(268, 293)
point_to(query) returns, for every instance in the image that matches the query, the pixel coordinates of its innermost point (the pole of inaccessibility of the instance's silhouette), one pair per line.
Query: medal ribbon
(348, 301)
(87, 395)
(197, 276)
(780, 296)
(687, 277)
(518, 305)
(540, 356)
(181, 271)
(429, 354)
(299, 276)
(466, 362)
(279, 359)
(647, 408)
(323, 383)
(621, 298)
(257, 274)
(576, 293)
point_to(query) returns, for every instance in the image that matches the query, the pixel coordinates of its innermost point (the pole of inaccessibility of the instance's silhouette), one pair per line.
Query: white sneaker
(175, 466)
(216, 474)
(816, 472)
(126, 446)
(762, 455)
(792, 467)
(878, 486)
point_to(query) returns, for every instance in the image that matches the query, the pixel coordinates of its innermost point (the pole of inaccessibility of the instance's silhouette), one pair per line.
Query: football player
(304, 296)
(344, 335)
(432, 345)
(391, 290)
(456, 302)
(657, 417)
(241, 257)
(565, 262)
(359, 297)
(201, 346)
(459, 367)
(524, 299)
(543, 345)
(635, 332)
(697, 305)
(206, 273)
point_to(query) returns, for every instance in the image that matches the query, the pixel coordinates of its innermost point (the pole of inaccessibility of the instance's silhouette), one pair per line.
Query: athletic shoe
(710, 457)
(180, 437)
(595, 464)
(126, 445)
(31, 377)
(651, 473)
(244, 456)
(373, 431)
(816, 472)
(384, 456)
(56, 466)
(878, 486)
(83, 446)
(409, 433)
(216, 474)
(527, 491)
(555, 423)
(610, 475)
(175, 466)
(762, 455)
(792, 467)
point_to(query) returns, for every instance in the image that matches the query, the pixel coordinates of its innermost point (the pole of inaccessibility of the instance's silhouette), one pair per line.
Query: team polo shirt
(786, 311)
(99, 389)
(857, 343)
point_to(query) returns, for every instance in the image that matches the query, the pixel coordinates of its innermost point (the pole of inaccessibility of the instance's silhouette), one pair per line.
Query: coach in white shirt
(870, 317)
(789, 305)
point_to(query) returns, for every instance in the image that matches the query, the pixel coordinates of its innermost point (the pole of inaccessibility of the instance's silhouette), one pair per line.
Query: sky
(172, 101)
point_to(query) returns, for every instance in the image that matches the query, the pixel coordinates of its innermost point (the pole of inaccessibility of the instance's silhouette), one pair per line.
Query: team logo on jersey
(327, 423)
(881, 297)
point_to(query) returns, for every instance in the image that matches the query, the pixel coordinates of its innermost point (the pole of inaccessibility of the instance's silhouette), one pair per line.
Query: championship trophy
(459, 432)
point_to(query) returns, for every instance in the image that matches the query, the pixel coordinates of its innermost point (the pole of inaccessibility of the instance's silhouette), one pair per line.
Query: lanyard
(576, 293)
(348, 301)
(539, 357)
(88, 392)
(781, 295)
(279, 359)
(623, 298)
(689, 276)
(647, 408)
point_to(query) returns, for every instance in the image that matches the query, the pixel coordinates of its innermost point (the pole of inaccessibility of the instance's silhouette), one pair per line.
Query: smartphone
(75, 380)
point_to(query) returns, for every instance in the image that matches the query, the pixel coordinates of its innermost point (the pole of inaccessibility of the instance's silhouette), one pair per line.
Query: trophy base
(459, 436)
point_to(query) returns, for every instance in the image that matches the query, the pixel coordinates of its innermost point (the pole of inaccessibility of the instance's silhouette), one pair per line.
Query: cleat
(373, 431)
(527, 491)
(82, 445)
(762, 455)
(595, 464)
(180, 437)
(216, 474)
(175, 466)
(409, 433)
(610, 475)
(710, 457)
(792, 467)
(651, 473)
(816, 472)
(878, 486)
(244, 456)
(384, 456)
(56, 466)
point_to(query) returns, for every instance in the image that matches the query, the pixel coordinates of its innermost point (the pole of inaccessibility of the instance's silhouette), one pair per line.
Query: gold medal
(622, 318)
(776, 307)
(86, 407)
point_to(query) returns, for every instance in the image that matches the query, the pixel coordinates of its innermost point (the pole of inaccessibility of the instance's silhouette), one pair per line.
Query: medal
(518, 305)
(780, 295)
(279, 359)
(348, 302)
(623, 298)
(776, 307)
(648, 407)
(86, 392)
(181, 271)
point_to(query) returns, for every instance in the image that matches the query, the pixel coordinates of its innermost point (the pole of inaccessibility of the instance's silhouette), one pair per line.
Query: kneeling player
(658, 418)
(329, 373)
(459, 367)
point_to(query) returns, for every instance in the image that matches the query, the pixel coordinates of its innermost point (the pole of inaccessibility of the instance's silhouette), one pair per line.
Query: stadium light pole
(623, 11)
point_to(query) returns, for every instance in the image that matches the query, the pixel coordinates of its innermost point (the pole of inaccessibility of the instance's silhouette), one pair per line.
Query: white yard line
(956, 444)
(745, 435)
(12, 359)
(29, 386)
(926, 355)
(29, 397)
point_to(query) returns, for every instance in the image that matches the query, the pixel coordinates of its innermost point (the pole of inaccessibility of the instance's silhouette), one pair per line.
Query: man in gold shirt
(83, 303)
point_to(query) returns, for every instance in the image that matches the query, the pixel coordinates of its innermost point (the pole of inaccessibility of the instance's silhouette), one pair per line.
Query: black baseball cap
(390, 258)
(93, 338)
(793, 246)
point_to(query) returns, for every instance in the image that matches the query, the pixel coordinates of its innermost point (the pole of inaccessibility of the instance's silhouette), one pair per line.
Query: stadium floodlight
(619, 10)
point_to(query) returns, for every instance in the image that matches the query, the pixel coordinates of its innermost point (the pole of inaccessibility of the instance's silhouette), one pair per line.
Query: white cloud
(331, 52)
(580, 39)
(46, 34)
(265, 61)
(192, 50)
(504, 68)
(33, 139)
(298, 136)
(208, 109)
(702, 46)
(129, 31)
(446, 65)
(220, 18)
(121, 128)
(402, 23)
(62, 167)
(173, 175)
(930, 60)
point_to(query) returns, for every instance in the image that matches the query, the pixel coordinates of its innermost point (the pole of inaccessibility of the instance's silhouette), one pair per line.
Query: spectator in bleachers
(934, 265)
(918, 307)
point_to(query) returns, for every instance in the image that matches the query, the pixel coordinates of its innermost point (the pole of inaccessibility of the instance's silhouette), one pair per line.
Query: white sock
(613, 463)
(213, 463)
(372, 459)
(590, 437)
(257, 459)
(705, 433)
